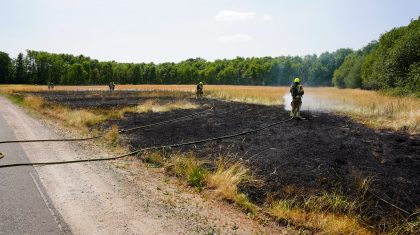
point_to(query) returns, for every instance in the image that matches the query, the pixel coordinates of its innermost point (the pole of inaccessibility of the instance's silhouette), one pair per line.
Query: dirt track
(324, 153)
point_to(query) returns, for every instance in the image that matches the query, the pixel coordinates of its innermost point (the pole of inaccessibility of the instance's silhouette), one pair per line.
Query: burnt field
(324, 153)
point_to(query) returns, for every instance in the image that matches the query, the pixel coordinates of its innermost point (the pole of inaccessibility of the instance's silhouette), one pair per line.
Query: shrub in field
(196, 177)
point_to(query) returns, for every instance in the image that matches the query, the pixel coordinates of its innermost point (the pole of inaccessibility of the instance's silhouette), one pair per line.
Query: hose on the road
(147, 148)
(120, 131)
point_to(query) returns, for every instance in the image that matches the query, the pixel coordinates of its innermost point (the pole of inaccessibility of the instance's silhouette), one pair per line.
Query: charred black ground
(326, 152)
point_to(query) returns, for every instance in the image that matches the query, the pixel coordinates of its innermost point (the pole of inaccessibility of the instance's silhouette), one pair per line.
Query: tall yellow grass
(250, 94)
(369, 107)
(327, 223)
(226, 179)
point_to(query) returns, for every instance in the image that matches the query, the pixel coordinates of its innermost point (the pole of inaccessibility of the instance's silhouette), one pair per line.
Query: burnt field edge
(387, 149)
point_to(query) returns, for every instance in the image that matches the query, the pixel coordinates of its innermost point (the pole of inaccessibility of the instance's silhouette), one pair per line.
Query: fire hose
(120, 131)
(147, 148)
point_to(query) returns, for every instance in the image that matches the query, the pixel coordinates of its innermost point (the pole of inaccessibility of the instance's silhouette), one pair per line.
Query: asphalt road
(25, 207)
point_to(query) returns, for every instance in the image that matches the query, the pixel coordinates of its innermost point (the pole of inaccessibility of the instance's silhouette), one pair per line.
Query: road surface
(25, 207)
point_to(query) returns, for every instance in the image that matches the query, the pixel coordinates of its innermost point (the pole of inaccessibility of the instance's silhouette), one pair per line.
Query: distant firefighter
(296, 90)
(111, 86)
(199, 91)
(50, 85)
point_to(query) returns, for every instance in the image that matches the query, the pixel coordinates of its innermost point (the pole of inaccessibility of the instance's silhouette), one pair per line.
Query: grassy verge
(329, 213)
(223, 180)
(322, 222)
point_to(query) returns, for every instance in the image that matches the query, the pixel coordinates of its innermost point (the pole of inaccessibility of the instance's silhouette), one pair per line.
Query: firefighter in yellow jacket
(296, 90)
(199, 90)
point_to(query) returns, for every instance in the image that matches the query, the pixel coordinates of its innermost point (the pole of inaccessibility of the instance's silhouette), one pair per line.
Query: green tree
(349, 74)
(76, 74)
(5, 68)
(95, 76)
(20, 75)
(390, 63)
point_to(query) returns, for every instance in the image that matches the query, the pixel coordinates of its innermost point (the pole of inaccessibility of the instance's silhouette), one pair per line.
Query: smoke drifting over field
(310, 101)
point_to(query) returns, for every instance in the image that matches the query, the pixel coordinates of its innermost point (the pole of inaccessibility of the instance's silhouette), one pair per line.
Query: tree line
(392, 62)
(38, 67)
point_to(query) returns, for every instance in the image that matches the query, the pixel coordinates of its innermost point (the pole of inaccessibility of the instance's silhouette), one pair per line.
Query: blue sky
(174, 30)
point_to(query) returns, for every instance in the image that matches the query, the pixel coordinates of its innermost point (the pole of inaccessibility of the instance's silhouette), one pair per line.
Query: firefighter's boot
(299, 117)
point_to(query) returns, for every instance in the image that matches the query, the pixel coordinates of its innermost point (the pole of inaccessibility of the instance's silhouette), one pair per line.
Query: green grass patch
(16, 99)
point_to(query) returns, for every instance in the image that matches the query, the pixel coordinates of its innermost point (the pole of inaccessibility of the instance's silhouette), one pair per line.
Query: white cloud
(266, 17)
(235, 38)
(230, 16)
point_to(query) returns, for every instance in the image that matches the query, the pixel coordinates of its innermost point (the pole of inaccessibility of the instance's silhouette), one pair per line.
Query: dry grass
(155, 106)
(330, 202)
(327, 213)
(250, 94)
(369, 107)
(189, 168)
(75, 118)
(81, 118)
(363, 184)
(112, 136)
(34, 102)
(324, 222)
(408, 227)
(225, 181)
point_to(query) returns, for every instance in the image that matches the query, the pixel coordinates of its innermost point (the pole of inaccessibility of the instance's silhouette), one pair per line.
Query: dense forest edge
(391, 64)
